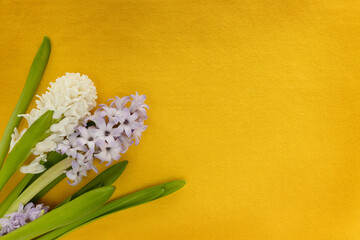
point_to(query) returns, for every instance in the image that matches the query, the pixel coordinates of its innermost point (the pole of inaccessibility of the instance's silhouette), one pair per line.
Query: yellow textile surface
(255, 103)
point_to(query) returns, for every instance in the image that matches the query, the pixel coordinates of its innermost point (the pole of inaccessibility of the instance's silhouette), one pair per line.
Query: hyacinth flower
(105, 135)
(68, 100)
(22, 216)
(66, 139)
(66, 214)
(71, 97)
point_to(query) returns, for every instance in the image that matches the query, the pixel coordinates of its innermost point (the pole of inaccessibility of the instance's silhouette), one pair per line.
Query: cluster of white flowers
(71, 97)
(105, 135)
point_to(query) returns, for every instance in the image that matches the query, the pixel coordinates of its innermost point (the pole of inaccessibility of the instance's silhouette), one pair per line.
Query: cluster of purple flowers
(24, 215)
(106, 134)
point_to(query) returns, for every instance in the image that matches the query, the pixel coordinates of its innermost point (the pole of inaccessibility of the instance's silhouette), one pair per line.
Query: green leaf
(171, 187)
(22, 149)
(135, 199)
(143, 197)
(64, 215)
(52, 158)
(106, 178)
(36, 71)
(39, 184)
(119, 204)
(14, 194)
(68, 199)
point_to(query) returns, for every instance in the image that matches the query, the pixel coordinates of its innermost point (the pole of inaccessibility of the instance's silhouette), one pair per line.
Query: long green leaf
(14, 194)
(23, 147)
(119, 204)
(68, 199)
(144, 197)
(36, 71)
(106, 178)
(44, 180)
(66, 214)
(135, 199)
(52, 158)
(171, 187)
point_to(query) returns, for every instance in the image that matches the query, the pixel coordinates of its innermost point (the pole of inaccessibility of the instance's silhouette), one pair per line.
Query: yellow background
(255, 103)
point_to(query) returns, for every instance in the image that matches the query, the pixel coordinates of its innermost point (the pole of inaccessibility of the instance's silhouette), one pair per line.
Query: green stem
(36, 71)
(14, 194)
(46, 178)
(51, 159)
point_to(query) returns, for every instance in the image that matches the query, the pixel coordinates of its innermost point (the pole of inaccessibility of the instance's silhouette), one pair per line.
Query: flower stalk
(40, 183)
(14, 194)
(52, 159)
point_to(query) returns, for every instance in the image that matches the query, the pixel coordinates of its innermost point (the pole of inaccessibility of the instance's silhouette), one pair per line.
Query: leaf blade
(63, 215)
(52, 158)
(92, 217)
(23, 147)
(106, 178)
(130, 200)
(34, 77)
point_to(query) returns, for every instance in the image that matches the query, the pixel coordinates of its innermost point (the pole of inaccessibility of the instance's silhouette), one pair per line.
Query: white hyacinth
(71, 97)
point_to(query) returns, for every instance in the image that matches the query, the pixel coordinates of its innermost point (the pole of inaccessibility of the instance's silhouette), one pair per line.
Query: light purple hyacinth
(21, 217)
(106, 134)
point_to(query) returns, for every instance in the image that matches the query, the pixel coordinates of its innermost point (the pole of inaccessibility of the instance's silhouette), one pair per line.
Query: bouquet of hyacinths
(65, 139)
